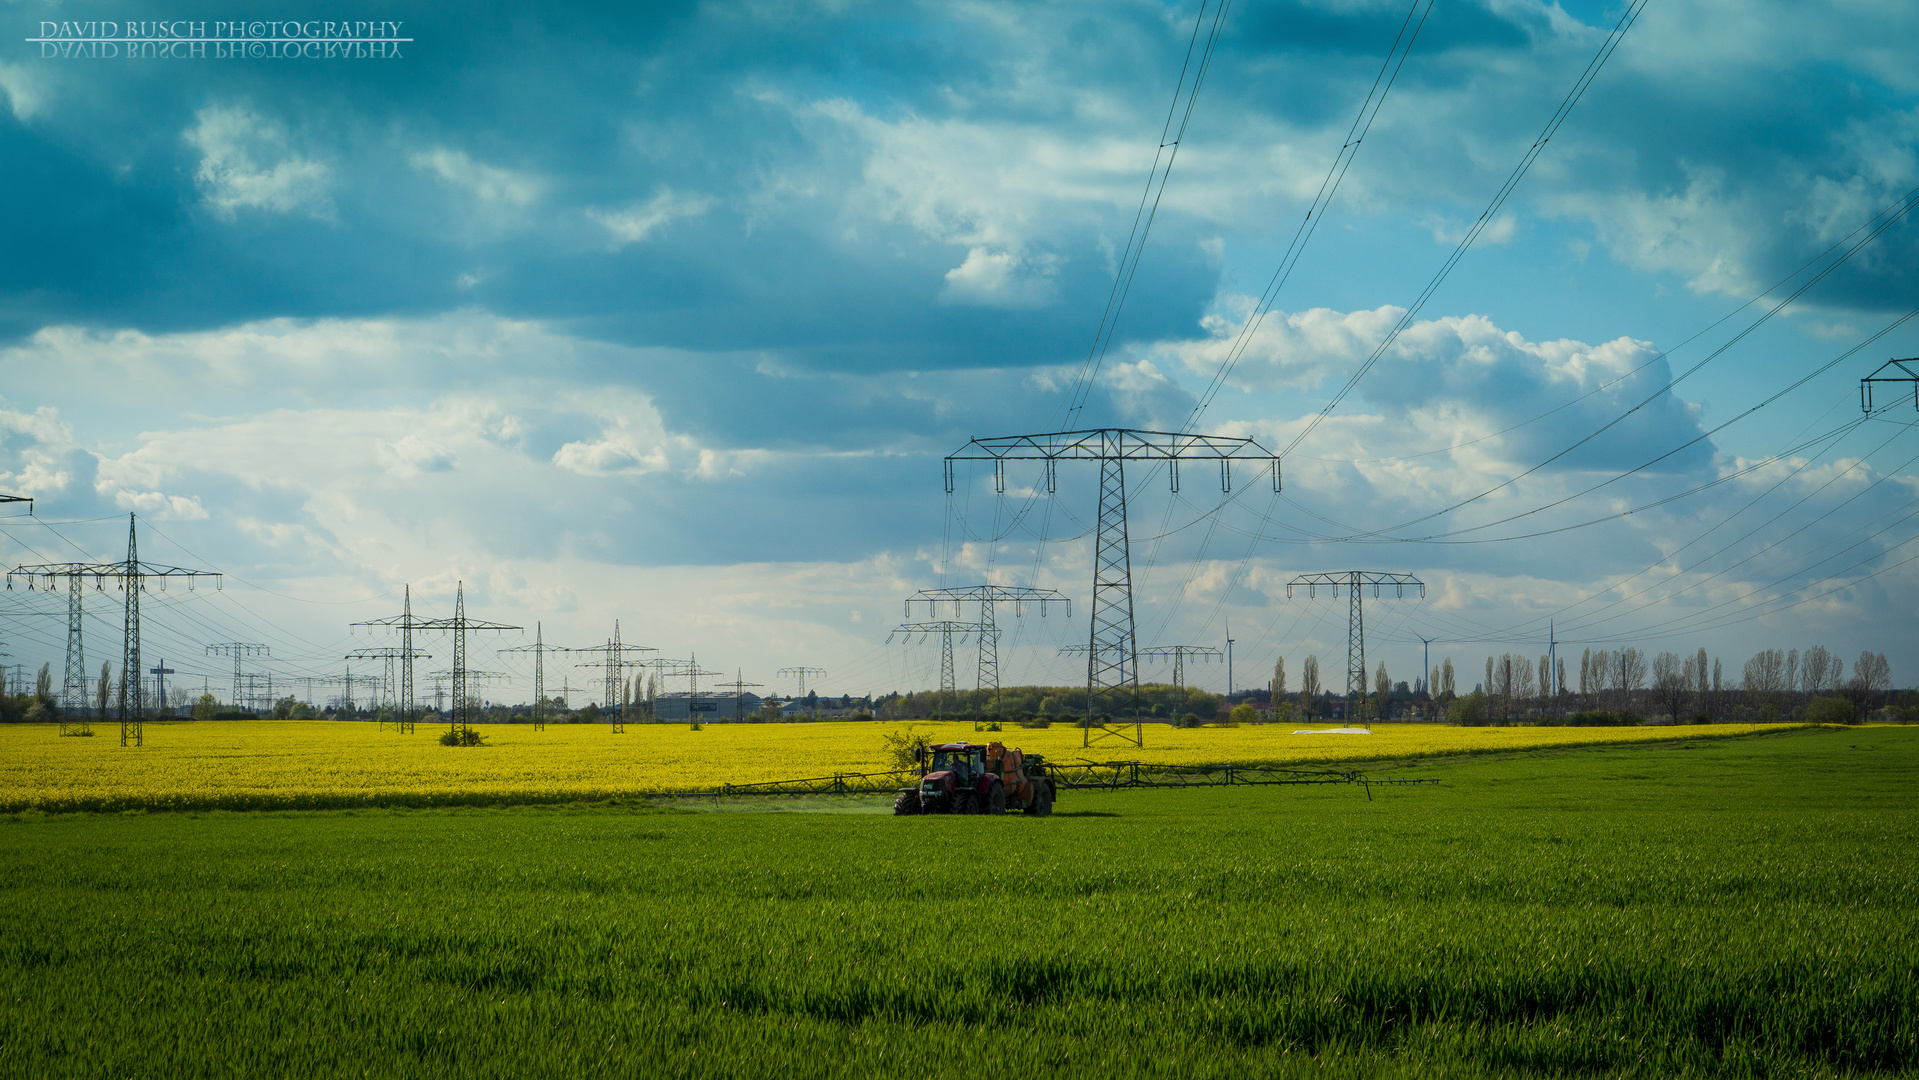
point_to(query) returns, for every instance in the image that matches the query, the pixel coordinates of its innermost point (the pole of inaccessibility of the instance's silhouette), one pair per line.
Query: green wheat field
(1742, 907)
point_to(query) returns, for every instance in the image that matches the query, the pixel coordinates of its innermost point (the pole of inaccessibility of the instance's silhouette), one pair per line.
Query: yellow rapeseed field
(264, 764)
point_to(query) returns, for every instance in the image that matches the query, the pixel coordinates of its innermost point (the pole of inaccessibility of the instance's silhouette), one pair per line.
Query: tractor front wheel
(959, 803)
(906, 803)
(996, 802)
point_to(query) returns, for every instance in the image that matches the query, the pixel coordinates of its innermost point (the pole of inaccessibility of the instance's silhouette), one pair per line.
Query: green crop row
(1723, 908)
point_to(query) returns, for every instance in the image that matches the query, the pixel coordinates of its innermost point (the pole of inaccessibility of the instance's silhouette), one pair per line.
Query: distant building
(719, 706)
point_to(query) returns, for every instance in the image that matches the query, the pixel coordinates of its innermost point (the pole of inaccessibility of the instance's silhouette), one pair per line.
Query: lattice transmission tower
(464, 707)
(539, 649)
(803, 672)
(613, 657)
(1112, 655)
(1354, 582)
(986, 598)
(405, 623)
(945, 628)
(238, 650)
(389, 703)
(739, 685)
(131, 575)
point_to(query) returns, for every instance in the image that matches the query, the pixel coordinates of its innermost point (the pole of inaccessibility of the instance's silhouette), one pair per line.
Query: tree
(106, 676)
(43, 685)
(1871, 677)
(1278, 689)
(1242, 714)
(1585, 674)
(1309, 685)
(1671, 683)
(206, 708)
(1446, 680)
(1765, 678)
(1382, 687)
(1470, 709)
(1630, 674)
(1815, 669)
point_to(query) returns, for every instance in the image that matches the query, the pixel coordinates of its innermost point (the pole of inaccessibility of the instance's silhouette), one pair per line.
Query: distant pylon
(238, 650)
(1354, 581)
(987, 596)
(1112, 657)
(539, 649)
(132, 576)
(945, 628)
(613, 657)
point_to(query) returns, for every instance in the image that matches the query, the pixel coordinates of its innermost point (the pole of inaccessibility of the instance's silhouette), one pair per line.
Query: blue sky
(668, 315)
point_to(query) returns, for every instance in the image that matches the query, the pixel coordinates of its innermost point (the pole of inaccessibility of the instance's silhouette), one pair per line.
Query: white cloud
(1001, 279)
(26, 94)
(488, 183)
(637, 222)
(413, 455)
(247, 164)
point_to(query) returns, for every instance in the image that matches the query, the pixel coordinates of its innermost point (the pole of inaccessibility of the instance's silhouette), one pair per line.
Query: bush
(1190, 720)
(462, 737)
(1830, 710)
(1242, 714)
(1602, 719)
(1468, 711)
(1036, 722)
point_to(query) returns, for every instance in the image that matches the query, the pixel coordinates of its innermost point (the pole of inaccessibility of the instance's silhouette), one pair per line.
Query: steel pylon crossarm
(131, 574)
(1112, 661)
(1355, 583)
(1892, 371)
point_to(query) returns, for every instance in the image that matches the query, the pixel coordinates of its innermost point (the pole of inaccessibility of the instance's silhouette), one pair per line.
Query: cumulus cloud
(26, 93)
(413, 455)
(488, 183)
(637, 222)
(246, 163)
(1001, 279)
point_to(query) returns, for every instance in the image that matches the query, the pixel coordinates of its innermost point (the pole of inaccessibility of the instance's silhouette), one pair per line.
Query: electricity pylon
(470, 680)
(406, 624)
(986, 596)
(693, 671)
(1354, 581)
(614, 660)
(131, 576)
(238, 650)
(458, 625)
(389, 686)
(1179, 653)
(1906, 373)
(539, 649)
(739, 685)
(1112, 657)
(945, 628)
(347, 683)
(803, 672)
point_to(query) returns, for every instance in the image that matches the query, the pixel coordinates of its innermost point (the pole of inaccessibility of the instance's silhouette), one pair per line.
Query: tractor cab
(966, 762)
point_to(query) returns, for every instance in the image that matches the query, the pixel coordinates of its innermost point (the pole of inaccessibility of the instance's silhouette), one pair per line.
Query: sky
(668, 313)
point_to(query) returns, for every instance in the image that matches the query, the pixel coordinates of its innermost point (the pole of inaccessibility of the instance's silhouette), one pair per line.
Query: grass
(1726, 907)
(262, 765)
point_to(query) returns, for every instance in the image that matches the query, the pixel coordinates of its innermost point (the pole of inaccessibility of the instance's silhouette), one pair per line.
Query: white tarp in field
(1336, 731)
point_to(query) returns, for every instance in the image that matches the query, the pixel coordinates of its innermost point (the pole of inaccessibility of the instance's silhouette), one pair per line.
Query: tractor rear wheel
(1042, 803)
(906, 803)
(996, 802)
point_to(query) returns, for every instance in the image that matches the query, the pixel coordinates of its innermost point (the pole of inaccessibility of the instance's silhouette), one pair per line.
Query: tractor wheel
(959, 802)
(1042, 803)
(906, 803)
(996, 802)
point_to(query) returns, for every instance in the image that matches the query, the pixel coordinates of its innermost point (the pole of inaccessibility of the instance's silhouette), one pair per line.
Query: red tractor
(976, 778)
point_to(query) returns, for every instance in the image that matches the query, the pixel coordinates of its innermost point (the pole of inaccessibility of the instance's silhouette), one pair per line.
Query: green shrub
(462, 737)
(1830, 710)
(1468, 711)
